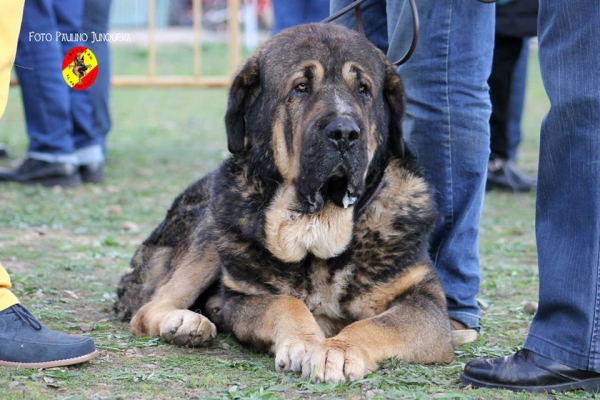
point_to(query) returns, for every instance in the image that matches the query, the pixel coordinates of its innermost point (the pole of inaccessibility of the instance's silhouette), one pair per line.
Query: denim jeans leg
(95, 20)
(44, 91)
(373, 16)
(288, 13)
(447, 122)
(566, 327)
(69, 17)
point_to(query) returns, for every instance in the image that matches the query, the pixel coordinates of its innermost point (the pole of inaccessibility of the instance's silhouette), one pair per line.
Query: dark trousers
(506, 55)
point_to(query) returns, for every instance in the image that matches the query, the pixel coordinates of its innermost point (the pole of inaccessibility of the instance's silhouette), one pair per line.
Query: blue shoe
(25, 343)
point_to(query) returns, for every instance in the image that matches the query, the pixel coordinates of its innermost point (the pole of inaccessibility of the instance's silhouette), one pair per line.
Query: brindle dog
(315, 231)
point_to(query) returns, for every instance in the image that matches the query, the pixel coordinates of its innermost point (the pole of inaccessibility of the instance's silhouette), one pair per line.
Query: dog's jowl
(310, 240)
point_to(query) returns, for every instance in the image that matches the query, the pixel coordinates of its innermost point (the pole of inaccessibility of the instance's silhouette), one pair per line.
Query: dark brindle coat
(316, 227)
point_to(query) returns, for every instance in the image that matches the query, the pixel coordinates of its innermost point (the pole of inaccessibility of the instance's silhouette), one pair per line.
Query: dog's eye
(301, 88)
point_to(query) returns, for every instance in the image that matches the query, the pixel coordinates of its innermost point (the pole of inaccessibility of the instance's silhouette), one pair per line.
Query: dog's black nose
(343, 133)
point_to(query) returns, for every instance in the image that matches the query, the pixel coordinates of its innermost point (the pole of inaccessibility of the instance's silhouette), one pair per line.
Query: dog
(78, 67)
(310, 241)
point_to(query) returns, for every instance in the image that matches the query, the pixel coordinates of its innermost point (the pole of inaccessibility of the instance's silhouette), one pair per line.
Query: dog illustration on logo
(79, 67)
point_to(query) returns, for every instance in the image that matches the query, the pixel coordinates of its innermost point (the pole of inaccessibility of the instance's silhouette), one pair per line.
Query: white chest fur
(290, 235)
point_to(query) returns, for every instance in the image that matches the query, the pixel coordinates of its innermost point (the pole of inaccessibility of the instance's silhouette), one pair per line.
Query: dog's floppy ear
(244, 83)
(393, 91)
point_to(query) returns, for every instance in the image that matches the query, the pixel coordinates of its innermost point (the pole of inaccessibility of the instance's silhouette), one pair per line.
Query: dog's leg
(167, 316)
(415, 329)
(281, 324)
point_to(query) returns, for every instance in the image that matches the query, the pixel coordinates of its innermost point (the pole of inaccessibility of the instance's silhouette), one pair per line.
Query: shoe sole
(589, 385)
(63, 181)
(92, 178)
(51, 364)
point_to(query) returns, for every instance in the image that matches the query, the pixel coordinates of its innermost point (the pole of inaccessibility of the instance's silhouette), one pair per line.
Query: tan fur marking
(286, 316)
(190, 277)
(349, 74)
(290, 236)
(324, 299)
(377, 299)
(241, 286)
(286, 164)
(401, 189)
(157, 263)
(318, 72)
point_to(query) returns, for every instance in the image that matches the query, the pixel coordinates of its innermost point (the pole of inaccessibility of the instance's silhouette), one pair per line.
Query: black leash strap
(359, 23)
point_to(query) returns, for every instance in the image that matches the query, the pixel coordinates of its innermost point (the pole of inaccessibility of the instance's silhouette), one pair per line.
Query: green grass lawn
(66, 250)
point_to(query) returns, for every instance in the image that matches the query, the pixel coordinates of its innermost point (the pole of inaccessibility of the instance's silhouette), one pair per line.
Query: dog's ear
(393, 91)
(244, 83)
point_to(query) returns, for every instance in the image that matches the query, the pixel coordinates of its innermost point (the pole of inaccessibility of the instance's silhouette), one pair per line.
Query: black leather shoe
(3, 151)
(92, 173)
(528, 371)
(504, 175)
(33, 171)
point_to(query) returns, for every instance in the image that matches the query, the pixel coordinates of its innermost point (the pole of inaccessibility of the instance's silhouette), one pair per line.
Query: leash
(359, 23)
(372, 190)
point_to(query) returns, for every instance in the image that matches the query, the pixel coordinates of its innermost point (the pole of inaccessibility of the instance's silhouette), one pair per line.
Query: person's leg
(562, 350)
(506, 54)
(51, 156)
(373, 16)
(316, 10)
(11, 13)
(447, 121)
(286, 13)
(503, 173)
(7, 298)
(567, 324)
(91, 149)
(517, 100)
(87, 140)
(45, 93)
(25, 343)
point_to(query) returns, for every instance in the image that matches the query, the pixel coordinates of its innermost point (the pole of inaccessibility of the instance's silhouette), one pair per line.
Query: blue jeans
(60, 120)
(566, 327)
(95, 19)
(287, 13)
(447, 122)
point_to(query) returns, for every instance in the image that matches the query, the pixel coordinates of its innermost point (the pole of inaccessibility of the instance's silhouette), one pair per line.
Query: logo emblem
(80, 68)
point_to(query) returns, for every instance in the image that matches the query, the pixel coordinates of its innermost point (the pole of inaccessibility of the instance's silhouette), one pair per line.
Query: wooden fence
(197, 79)
(151, 79)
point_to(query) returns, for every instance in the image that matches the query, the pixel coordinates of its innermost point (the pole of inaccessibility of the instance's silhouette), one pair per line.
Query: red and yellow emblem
(80, 68)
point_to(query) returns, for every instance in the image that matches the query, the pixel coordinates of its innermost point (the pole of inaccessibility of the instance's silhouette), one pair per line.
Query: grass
(65, 251)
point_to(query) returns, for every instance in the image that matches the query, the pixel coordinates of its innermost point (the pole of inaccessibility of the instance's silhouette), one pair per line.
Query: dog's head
(324, 105)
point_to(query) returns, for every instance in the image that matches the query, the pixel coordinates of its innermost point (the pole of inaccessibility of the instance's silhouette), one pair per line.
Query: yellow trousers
(11, 13)
(7, 298)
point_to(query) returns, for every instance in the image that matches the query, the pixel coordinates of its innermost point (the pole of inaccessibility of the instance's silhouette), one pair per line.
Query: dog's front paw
(335, 361)
(187, 328)
(292, 351)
